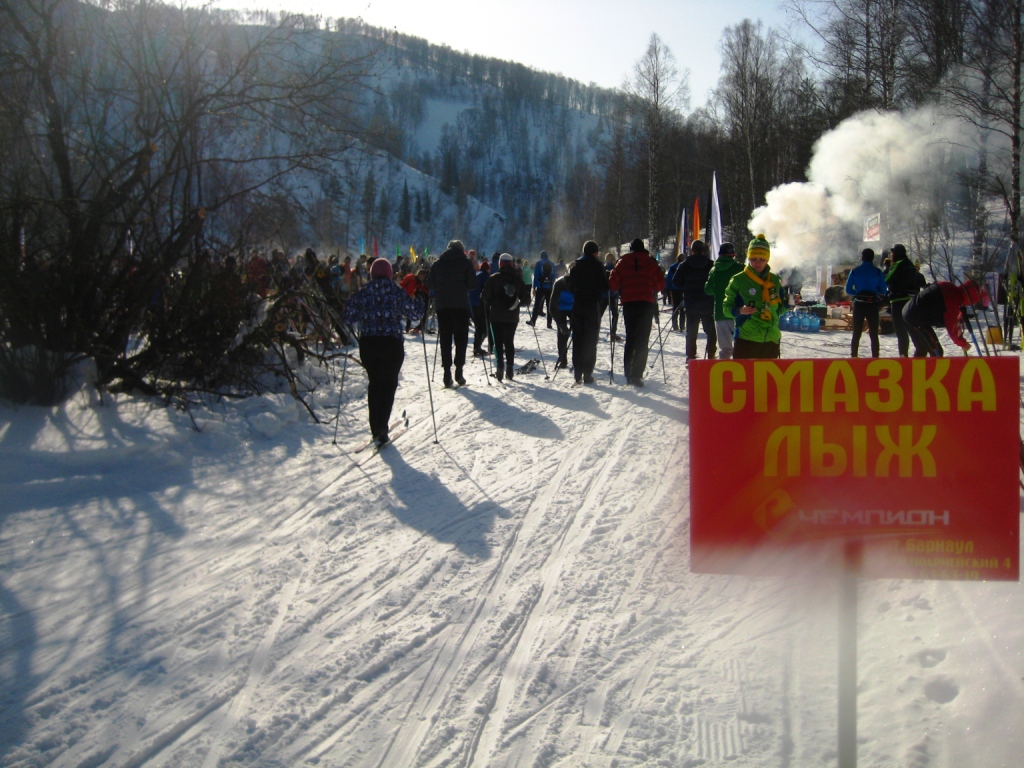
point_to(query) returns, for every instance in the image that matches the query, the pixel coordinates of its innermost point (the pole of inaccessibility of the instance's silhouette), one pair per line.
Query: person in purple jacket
(379, 308)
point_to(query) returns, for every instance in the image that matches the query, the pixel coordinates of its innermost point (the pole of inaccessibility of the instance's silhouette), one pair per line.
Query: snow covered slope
(514, 594)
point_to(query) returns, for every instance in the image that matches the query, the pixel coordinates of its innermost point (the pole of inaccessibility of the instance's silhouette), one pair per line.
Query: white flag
(715, 235)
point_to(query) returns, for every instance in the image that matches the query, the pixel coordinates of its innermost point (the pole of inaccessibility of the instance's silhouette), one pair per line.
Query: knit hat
(456, 245)
(899, 252)
(697, 246)
(759, 248)
(867, 255)
(381, 268)
(727, 249)
(505, 257)
(637, 245)
(471, 253)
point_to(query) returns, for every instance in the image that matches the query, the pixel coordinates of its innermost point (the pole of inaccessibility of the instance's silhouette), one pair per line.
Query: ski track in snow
(516, 594)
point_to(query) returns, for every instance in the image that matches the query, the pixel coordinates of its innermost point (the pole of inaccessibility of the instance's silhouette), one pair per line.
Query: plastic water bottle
(784, 321)
(815, 324)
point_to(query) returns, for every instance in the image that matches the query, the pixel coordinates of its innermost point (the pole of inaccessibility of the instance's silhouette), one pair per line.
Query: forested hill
(457, 145)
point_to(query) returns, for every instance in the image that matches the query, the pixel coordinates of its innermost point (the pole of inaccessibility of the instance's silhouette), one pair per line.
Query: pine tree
(404, 210)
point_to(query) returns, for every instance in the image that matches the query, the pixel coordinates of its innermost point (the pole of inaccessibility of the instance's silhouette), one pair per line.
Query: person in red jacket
(937, 305)
(638, 279)
(415, 284)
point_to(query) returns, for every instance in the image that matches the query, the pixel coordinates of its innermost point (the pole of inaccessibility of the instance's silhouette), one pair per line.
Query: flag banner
(817, 280)
(696, 219)
(916, 459)
(412, 253)
(828, 278)
(362, 246)
(873, 228)
(715, 234)
(682, 243)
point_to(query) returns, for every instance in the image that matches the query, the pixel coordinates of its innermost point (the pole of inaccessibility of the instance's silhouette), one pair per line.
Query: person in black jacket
(689, 280)
(904, 282)
(450, 280)
(588, 283)
(502, 295)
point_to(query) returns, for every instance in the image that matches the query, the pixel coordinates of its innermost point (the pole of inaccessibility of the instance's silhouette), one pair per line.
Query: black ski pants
(479, 328)
(382, 357)
(542, 300)
(693, 325)
(637, 317)
(863, 310)
(453, 329)
(504, 344)
(899, 325)
(586, 330)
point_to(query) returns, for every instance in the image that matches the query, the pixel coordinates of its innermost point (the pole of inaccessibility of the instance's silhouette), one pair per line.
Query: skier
(690, 278)
(638, 279)
(941, 304)
(867, 285)
(543, 279)
(675, 294)
(415, 284)
(753, 297)
(613, 296)
(560, 308)
(450, 280)
(725, 268)
(904, 282)
(588, 283)
(502, 295)
(479, 311)
(378, 309)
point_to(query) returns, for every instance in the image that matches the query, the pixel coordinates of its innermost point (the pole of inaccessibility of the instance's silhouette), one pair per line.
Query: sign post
(909, 467)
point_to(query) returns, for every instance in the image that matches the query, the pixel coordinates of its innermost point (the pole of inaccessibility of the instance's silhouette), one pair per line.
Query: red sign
(918, 459)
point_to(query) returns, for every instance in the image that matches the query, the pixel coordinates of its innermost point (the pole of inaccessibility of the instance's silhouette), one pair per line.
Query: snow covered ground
(515, 593)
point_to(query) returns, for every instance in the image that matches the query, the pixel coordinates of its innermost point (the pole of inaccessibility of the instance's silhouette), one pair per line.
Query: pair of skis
(395, 429)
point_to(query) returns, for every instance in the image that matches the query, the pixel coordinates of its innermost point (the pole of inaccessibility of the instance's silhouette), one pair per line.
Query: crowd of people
(735, 298)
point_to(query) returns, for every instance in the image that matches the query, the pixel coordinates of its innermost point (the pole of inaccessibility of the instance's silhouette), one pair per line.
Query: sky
(591, 41)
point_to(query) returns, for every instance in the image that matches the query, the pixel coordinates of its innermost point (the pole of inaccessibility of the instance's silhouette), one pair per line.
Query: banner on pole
(917, 459)
(873, 228)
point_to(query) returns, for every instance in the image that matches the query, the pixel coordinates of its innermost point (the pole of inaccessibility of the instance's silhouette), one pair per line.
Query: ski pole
(611, 339)
(341, 389)
(661, 347)
(539, 353)
(567, 348)
(430, 389)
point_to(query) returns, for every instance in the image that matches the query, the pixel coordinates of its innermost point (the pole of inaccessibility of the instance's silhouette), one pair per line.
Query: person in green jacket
(754, 298)
(724, 269)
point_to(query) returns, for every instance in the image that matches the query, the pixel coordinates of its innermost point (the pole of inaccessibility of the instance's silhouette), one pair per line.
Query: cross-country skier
(378, 309)
(503, 294)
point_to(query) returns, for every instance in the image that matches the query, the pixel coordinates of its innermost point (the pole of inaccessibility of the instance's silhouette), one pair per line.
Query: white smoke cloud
(891, 163)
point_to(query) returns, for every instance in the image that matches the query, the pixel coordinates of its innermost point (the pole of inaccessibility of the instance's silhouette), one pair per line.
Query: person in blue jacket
(561, 309)
(866, 284)
(543, 279)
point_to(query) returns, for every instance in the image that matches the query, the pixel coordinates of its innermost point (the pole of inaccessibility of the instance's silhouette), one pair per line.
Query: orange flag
(696, 218)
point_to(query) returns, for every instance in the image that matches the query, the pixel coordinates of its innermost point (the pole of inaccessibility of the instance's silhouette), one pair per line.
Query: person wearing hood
(638, 279)
(543, 280)
(754, 299)
(378, 308)
(904, 282)
(502, 295)
(941, 304)
(724, 269)
(450, 280)
(699, 308)
(588, 284)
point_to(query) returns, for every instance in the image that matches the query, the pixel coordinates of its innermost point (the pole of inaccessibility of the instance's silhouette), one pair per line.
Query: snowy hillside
(517, 593)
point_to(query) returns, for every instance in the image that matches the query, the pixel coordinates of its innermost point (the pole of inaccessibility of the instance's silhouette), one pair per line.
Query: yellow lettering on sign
(738, 398)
